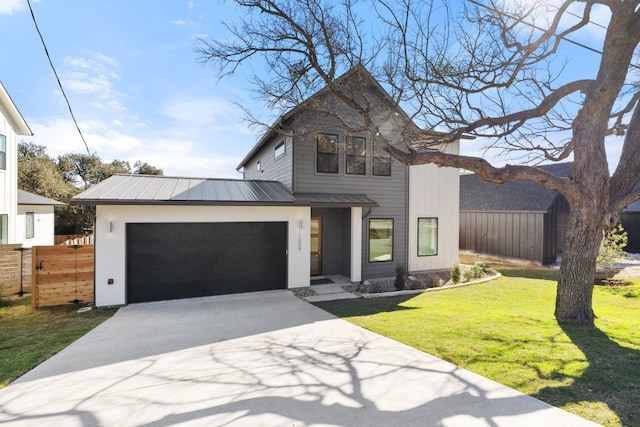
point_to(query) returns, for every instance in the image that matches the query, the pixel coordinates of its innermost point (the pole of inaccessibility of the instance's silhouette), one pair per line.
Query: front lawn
(505, 330)
(28, 337)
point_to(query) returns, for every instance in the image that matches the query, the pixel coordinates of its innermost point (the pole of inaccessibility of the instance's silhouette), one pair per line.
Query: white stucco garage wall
(110, 238)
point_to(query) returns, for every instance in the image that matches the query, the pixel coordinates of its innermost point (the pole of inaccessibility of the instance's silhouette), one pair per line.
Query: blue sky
(131, 75)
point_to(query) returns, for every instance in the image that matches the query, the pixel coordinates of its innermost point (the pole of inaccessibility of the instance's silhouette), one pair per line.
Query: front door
(316, 246)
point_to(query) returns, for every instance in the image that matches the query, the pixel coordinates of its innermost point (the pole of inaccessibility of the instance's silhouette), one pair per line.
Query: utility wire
(46, 51)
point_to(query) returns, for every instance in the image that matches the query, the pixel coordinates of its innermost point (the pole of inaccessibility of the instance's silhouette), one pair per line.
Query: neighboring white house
(35, 225)
(12, 124)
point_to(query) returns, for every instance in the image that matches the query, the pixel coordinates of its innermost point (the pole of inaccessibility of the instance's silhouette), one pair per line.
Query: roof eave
(19, 123)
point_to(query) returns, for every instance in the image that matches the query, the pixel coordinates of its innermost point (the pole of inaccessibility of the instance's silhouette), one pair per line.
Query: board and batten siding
(272, 168)
(390, 192)
(111, 238)
(433, 194)
(509, 234)
(9, 177)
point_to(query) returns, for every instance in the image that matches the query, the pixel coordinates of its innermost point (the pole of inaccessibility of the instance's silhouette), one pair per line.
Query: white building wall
(44, 225)
(110, 239)
(9, 177)
(434, 193)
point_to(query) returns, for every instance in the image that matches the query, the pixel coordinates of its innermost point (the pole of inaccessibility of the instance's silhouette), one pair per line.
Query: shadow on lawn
(612, 377)
(365, 306)
(541, 273)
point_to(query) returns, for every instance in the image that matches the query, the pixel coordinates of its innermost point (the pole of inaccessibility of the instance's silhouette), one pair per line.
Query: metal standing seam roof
(153, 189)
(524, 196)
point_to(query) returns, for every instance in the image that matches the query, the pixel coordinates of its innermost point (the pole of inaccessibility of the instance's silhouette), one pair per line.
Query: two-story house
(315, 200)
(12, 124)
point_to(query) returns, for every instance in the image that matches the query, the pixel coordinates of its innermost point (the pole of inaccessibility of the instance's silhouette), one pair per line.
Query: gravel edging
(419, 291)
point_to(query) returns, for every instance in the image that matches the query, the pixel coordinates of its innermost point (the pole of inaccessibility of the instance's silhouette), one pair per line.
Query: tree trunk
(578, 268)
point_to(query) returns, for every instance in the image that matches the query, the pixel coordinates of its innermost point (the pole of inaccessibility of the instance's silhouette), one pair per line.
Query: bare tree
(491, 69)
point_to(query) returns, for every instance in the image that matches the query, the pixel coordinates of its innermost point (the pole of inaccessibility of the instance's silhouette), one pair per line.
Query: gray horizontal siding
(389, 192)
(272, 169)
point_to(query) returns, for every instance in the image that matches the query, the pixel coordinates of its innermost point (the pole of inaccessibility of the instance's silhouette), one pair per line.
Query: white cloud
(177, 156)
(204, 114)
(179, 22)
(9, 7)
(192, 5)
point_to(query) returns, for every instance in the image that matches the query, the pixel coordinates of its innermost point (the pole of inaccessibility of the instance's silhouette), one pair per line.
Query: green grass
(28, 337)
(505, 330)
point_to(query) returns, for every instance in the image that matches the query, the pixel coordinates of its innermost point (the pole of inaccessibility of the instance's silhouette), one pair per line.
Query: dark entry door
(185, 260)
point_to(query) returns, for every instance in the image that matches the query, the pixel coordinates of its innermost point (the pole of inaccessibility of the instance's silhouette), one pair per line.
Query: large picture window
(356, 156)
(30, 225)
(427, 236)
(381, 161)
(380, 240)
(3, 152)
(327, 153)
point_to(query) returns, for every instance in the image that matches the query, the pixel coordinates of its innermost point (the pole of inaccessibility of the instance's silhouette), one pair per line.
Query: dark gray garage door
(185, 260)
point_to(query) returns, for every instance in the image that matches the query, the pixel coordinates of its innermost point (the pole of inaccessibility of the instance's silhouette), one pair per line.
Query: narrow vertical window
(30, 225)
(381, 160)
(258, 166)
(427, 236)
(4, 228)
(356, 156)
(380, 240)
(327, 153)
(279, 149)
(3, 152)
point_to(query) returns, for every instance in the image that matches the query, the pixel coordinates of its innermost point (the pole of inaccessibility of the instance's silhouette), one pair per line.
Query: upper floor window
(3, 152)
(427, 236)
(258, 166)
(381, 160)
(279, 149)
(327, 153)
(30, 225)
(356, 156)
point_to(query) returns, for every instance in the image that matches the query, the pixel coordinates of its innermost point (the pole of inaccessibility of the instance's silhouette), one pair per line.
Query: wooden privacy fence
(61, 275)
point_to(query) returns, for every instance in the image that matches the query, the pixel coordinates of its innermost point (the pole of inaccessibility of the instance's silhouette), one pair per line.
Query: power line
(46, 51)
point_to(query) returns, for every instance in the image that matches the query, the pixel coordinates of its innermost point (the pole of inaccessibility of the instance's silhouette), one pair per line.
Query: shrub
(399, 282)
(478, 270)
(455, 274)
(613, 243)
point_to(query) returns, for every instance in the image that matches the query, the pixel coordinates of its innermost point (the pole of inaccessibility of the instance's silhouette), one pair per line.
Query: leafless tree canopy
(500, 70)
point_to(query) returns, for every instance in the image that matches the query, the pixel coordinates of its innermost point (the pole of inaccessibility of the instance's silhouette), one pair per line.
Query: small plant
(377, 288)
(455, 274)
(478, 270)
(611, 248)
(399, 282)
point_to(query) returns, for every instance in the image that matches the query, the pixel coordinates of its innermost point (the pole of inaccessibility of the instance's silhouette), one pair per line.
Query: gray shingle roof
(26, 198)
(478, 195)
(152, 189)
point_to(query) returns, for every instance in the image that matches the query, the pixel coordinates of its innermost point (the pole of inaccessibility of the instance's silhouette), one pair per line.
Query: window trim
(374, 261)
(280, 144)
(418, 236)
(376, 156)
(29, 220)
(363, 157)
(3, 152)
(336, 154)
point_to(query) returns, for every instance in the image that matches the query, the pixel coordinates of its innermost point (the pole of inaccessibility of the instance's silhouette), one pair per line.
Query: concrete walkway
(260, 359)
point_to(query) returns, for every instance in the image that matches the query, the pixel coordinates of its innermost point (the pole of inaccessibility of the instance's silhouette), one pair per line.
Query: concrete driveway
(259, 359)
